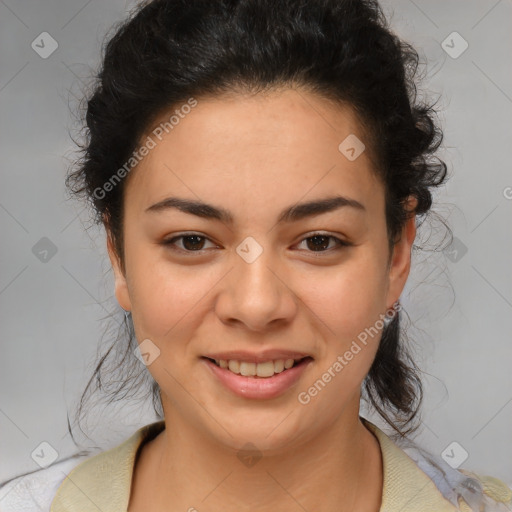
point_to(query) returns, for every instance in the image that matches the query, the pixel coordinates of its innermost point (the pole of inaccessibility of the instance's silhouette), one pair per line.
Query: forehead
(278, 145)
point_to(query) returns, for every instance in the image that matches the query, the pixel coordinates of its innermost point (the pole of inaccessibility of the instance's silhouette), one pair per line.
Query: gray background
(52, 305)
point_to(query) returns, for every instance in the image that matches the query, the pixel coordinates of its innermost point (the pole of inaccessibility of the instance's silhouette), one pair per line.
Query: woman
(259, 167)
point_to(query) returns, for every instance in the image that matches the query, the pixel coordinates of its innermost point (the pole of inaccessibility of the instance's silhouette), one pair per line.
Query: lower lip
(262, 388)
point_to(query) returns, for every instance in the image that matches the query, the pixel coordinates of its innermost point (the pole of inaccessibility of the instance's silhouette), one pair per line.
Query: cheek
(349, 297)
(349, 304)
(160, 294)
(165, 303)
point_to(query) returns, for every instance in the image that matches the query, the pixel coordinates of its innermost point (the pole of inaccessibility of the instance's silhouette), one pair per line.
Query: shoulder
(466, 490)
(103, 482)
(63, 486)
(494, 492)
(422, 481)
(35, 491)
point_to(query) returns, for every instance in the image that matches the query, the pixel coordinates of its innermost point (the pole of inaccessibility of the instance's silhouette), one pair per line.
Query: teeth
(247, 369)
(234, 366)
(279, 366)
(266, 369)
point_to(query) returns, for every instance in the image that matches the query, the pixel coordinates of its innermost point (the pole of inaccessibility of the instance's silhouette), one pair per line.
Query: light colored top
(103, 482)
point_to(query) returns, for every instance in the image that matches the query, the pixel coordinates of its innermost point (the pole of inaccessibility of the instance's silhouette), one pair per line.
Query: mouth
(263, 378)
(260, 370)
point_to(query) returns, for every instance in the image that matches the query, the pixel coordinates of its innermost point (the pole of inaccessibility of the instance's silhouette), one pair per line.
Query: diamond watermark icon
(44, 45)
(44, 250)
(44, 455)
(249, 250)
(456, 250)
(351, 147)
(454, 454)
(454, 45)
(146, 352)
(249, 455)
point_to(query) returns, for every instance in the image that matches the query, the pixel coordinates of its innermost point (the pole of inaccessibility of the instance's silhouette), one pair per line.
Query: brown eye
(321, 243)
(189, 242)
(318, 242)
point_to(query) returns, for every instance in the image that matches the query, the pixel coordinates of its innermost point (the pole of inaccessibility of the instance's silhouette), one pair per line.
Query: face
(249, 236)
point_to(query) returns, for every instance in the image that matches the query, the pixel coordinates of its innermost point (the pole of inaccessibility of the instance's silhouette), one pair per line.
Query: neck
(187, 470)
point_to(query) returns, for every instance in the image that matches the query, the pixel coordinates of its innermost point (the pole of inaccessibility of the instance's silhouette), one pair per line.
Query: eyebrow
(290, 214)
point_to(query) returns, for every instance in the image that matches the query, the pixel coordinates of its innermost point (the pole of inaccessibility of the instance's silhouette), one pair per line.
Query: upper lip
(257, 357)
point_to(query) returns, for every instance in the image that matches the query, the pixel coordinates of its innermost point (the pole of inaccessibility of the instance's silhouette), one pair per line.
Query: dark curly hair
(171, 50)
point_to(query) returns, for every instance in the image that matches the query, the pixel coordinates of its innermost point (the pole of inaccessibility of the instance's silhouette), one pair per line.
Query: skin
(254, 156)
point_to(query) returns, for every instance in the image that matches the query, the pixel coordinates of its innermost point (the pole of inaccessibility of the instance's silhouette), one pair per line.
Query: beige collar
(103, 482)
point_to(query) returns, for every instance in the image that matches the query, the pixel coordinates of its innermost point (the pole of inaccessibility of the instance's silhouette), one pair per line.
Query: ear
(121, 287)
(400, 263)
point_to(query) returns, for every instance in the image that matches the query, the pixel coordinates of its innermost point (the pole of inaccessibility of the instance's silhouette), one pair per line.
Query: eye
(320, 242)
(193, 242)
(190, 242)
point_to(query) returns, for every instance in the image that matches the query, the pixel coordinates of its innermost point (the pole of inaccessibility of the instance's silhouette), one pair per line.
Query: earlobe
(120, 285)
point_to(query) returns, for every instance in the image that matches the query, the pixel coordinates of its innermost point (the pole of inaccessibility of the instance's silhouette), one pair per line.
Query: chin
(271, 432)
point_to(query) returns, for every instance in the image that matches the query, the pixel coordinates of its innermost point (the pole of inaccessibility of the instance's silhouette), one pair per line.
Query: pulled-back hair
(171, 50)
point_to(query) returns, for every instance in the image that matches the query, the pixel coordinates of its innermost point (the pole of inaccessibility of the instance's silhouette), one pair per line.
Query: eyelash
(170, 243)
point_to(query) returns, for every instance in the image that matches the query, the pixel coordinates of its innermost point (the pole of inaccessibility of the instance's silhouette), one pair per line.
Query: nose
(256, 295)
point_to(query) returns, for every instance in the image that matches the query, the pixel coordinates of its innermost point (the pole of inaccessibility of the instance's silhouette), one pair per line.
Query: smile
(263, 380)
(264, 369)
